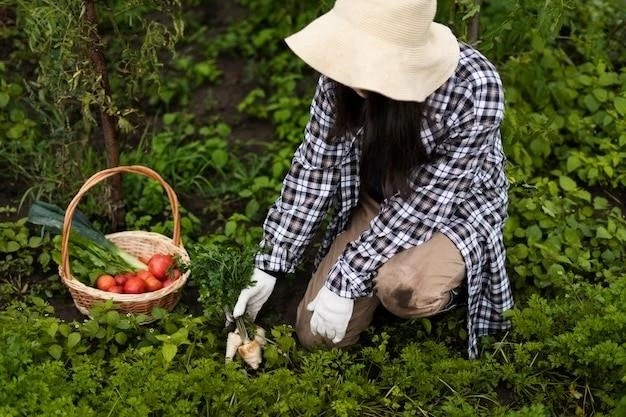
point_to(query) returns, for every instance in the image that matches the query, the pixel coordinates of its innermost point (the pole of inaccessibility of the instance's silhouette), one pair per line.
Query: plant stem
(241, 326)
(474, 29)
(116, 213)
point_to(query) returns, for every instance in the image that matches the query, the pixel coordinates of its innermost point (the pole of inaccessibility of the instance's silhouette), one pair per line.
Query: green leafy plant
(221, 273)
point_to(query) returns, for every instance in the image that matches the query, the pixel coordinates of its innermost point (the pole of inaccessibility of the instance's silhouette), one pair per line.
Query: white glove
(331, 314)
(251, 299)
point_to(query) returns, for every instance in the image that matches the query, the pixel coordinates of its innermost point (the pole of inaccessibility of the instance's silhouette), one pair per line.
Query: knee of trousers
(410, 301)
(306, 338)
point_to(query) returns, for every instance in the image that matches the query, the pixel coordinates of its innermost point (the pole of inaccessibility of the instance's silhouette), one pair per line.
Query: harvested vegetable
(248, 350)
(160, 265)
(104, 282)
(251, 354)
(92, 253)
(232, 343)
(221, 274)
(134, 285)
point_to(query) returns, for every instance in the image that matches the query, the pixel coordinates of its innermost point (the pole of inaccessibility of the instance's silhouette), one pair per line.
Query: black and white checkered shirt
(461, 193)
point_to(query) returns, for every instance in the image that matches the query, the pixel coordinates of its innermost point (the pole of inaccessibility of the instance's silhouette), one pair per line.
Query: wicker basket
(137, 243)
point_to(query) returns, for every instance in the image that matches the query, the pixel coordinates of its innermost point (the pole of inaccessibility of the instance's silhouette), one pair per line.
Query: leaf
(169, 118)
(602, 233)
(169, 351)
(600, 203)
(44, 258)
(121, 338)
(567, 183)
(591, 103)
(4, 99)
(64, 329)
(37, 301)
(600, 94)
(12, 247)
(112, 317)
(73, 339)
(534, 233)
(608, 78)
(123, 324)
(585, 79)
(180, 336)
(252, 208)
(427, 325)
(620, 105)
(34, 242)
(159, 313)
(219, 158)
(230, 228)
(52, 330)
(608, 170)
(55, 351)
(573, 163)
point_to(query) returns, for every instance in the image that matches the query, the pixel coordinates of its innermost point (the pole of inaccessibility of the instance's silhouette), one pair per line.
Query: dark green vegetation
(220, 123)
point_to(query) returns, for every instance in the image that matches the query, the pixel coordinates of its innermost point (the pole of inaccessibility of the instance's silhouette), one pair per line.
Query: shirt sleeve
(308, 188)
(437, 188)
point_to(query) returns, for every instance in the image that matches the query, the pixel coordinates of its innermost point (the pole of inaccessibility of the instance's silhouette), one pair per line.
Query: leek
(83, 234)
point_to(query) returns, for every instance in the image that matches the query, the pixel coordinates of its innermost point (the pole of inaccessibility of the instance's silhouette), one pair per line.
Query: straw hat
(392, 47)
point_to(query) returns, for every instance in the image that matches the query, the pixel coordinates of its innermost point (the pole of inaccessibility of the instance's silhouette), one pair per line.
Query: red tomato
(120, 279)
(104, 282)
(144, 274)
(116, 289)
(168, 282)
(159, 264)
(134, 285)
(153, 284)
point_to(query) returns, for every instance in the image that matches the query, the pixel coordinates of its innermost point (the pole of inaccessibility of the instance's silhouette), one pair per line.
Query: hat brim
(342, 52)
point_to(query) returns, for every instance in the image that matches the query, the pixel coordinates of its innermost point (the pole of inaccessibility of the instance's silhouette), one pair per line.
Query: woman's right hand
(251, 299)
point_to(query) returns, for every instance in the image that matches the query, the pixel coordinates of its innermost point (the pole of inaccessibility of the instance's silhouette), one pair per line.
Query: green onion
(84, 235)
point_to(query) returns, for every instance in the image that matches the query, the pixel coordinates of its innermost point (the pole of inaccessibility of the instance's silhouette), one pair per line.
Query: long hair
(391, 136)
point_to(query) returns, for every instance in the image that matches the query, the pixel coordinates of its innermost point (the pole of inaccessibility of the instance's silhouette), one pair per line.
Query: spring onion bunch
(93, 253)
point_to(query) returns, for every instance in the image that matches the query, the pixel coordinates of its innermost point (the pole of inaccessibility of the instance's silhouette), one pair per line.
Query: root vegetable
(260, 336)
(232, 343)
(251, 353)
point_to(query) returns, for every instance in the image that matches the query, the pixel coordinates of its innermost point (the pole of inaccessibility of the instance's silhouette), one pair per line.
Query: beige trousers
(416, 282)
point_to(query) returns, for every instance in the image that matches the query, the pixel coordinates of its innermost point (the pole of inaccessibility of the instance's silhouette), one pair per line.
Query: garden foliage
(564, 135)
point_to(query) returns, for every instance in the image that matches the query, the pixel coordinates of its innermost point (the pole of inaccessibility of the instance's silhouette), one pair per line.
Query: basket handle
(101, 176)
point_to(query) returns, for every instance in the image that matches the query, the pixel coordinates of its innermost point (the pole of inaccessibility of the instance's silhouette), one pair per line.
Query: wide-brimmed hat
(392, 47)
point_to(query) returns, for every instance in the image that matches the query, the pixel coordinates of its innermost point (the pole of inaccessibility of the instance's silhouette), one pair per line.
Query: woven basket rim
(100, 295)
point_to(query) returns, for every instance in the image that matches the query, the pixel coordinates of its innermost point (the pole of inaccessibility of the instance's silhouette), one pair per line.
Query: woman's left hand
(331, 314)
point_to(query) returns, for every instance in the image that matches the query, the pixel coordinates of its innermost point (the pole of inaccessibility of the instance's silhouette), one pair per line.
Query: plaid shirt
(461, 193)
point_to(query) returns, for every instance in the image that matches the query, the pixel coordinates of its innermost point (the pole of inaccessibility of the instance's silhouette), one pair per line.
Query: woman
(403, 153)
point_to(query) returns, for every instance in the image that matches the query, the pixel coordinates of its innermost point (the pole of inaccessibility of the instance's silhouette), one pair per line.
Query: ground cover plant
(220, 121)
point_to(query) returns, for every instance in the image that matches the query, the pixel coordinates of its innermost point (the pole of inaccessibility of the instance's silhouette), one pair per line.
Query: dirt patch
(10, 197)
(616, 196)
(221, 99)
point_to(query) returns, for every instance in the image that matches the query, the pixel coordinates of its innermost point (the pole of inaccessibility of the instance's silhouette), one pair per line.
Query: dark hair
(391, 135)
